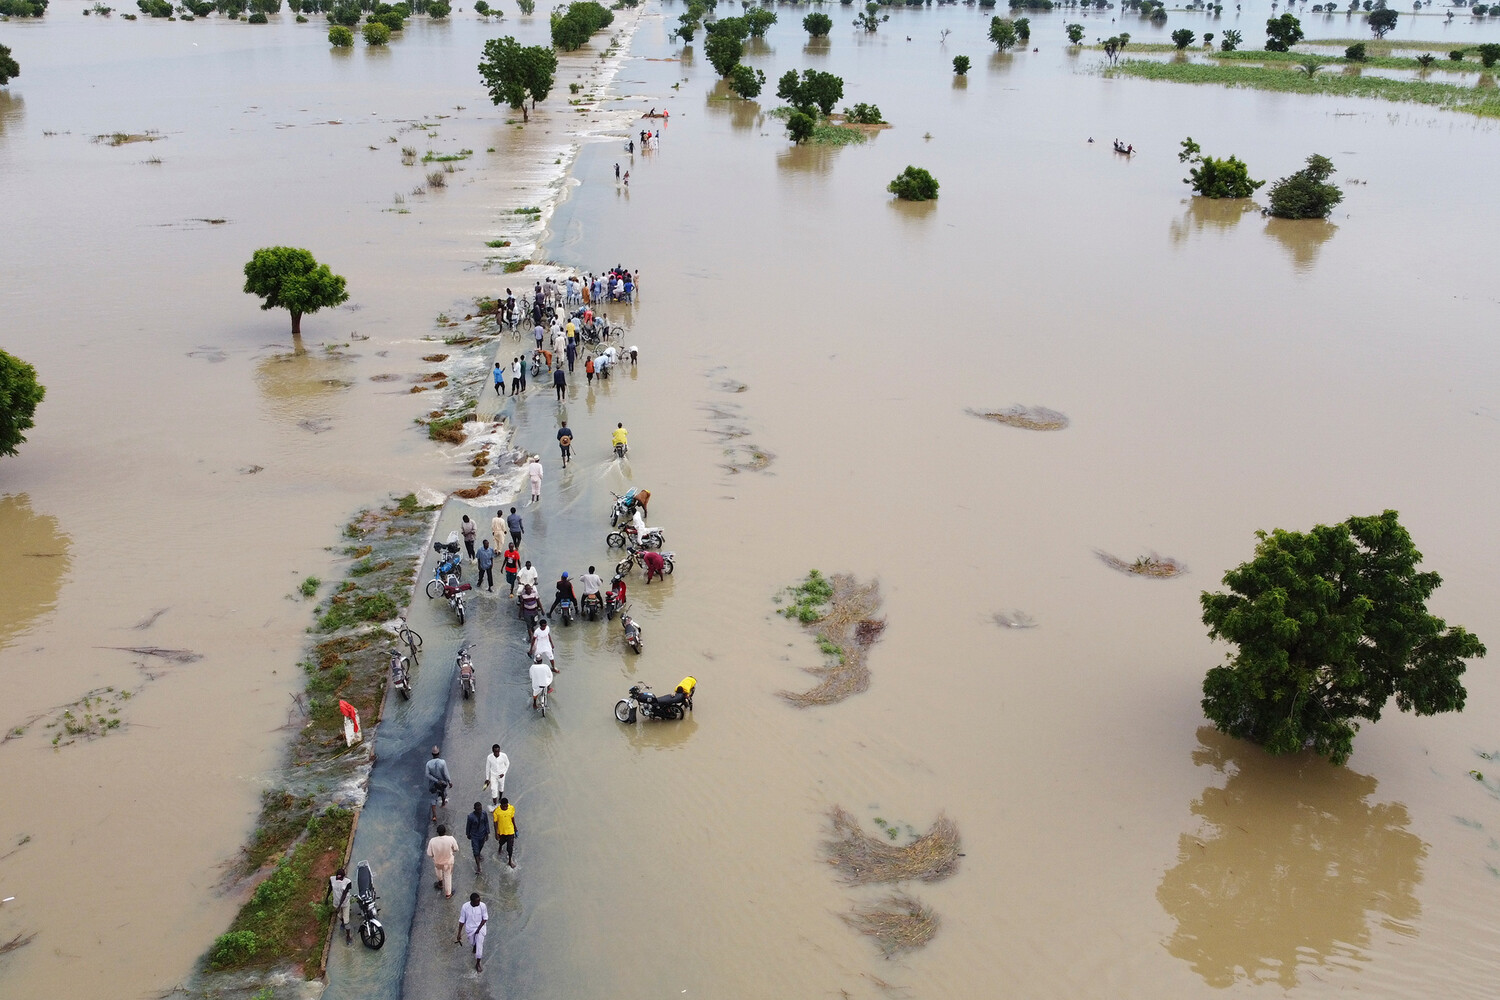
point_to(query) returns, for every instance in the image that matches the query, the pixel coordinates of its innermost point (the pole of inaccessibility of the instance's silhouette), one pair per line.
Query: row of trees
(1305, 194)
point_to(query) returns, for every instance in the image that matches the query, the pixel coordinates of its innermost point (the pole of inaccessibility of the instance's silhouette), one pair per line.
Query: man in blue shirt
(486, 559)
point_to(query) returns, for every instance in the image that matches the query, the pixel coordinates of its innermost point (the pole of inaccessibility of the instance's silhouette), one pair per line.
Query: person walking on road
(486, 564)
(534, 471)
(473, 918)
(505, 830)
(541, 645)
(496, 766)
(498, 530)
(559, 382)
(470, 530)
(438, 781)
(477, 830)
(442, 849)
(512, 566)
(339, 889)
(515, 527)
(565, 439)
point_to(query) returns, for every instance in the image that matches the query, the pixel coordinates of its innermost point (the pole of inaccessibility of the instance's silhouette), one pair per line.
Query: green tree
(512, 72)
(573, 27)
(1075, 33)
(864, 114)
(746, 82)
(1213, 178)
(438, 9)
(376, 33)
(814, 89)
(800, 125)
(345, 13)
(871, 19)
(526, 6)
(1355, 52)
(961, 65)
(723, 51)
(1230, 41)
(9, 68)
(914, 184)
(1307, 193)
(1381, 21)
(289, 278)
(1002, 33)
(735, 27)
(20, 393)
(1330, 625)
(1114, 45)
(1023, 30)
(1489, 53)
(1183, 37)
(817, 25)
(1282, 33)
(340, 37)
(758, 19)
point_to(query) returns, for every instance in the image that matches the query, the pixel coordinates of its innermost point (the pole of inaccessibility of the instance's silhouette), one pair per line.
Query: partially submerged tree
(376, 33)
(1075, 33)
(1330, 625)
(9, 68)
(1213, 178)
(800, 125)
(289, 278)
(1230, 41)
(723, 51)
(1003, 33)
(1382, 21)
(813, 90)
(512, 72)
(914, 184)
(1282, 33)
(20, 394)
(1183, 37)
(960, 65)
(746, 82)
(871, 19)
(758, 20)
(817, 25)
(340, 37)
(1307, 193)
(1114, 45)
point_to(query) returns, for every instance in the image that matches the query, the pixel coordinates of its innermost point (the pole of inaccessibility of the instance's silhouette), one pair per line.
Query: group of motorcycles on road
(628, 530)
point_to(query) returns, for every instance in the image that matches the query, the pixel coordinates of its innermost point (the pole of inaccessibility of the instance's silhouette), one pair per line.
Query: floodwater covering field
(1220, 373)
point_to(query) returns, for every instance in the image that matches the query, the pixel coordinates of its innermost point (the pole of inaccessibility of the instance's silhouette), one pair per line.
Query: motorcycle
(628, 563)
(612, 605)
(400, 672)
(451, 564)
(452, 590)
(620, 450)
(626, 504)
(667, 706)
(651, 538)
(592, 605)
(370, 931)
(465, 673)
(632, 630)
(565, 610)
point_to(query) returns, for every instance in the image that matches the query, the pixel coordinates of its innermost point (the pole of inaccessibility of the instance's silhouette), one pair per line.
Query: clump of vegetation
(897, 923)
(310, 586)
(1356, 52)
(746, 82)
(572, 27)
(1030, 418)
(340, 37)
(1075, 33)
(515, 266)
(1152, 565)
(914, 184)
(817, 25)
(1003, 33)
(497, 244)
(376, 33)
(449, 429)
(871, 20)
(864, 114)
(21, 394)
(1306, 194)
(431, 157)
(844, 632)
(1329, 625)
(961, 65)
(861, 858)
(1213, 178)
(1282, 33)
(1183, 37)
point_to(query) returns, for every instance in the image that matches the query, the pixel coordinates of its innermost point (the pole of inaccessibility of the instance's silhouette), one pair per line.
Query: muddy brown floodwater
(1220, 373)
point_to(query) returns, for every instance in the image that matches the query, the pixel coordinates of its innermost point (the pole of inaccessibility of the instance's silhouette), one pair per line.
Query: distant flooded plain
(1220, 372)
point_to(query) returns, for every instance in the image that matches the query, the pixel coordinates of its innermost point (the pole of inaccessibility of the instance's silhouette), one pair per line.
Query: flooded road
(1221, 372)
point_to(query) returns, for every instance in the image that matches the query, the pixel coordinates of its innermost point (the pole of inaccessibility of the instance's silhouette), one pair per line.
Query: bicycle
(409, 636)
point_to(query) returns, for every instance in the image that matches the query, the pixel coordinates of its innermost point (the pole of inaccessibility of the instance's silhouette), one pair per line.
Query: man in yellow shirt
(505, 830)
(618, 439)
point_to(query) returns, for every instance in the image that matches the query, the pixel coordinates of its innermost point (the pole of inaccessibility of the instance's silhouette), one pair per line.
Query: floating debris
(862, 858)
(1031, 418)
(897, 923)
(149, 620)
(385, 377)
(316, 425)
(251, 470)
(748, 458)
(17, 942)
(1014, 619)
(170, 655)
(1153, 565)
(845, 633)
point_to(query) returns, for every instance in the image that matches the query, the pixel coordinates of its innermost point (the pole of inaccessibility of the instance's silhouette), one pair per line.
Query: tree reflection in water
(1289, 866)
(1303, 238)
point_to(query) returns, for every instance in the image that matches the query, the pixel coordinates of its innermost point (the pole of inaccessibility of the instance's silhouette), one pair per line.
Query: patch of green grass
(825, 134)
(450, 429)
(1475, 101)
(1376, 61)
(282, 818)
(809, 599)
(529, 210)
(309, 586)
(497, 244)
(346, 610)
(366, 566)
(512, 266)
(431, 157)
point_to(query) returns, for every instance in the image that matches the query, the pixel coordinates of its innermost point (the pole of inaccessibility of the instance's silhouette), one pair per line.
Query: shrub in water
(914, 184)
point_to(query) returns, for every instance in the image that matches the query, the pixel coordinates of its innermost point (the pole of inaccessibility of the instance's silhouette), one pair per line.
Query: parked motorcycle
(652, 538)
(632, 629)
(592, 606)
(370, 930)
(628, 563)
(667, 706)
(626, 503)
(465, 672)
(612, 605)
(451, 589)
(400, 672)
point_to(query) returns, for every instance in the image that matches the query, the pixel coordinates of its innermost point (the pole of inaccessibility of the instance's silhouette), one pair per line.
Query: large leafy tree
(20, 393)
(290, 278)
(723, 51)
(1003, 33)
(9, 68)
(813, 90)
(1307, 193)
(512, 72)
(1214, 178)
(1282, 33)
(1382, 21)
(1330, 625)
